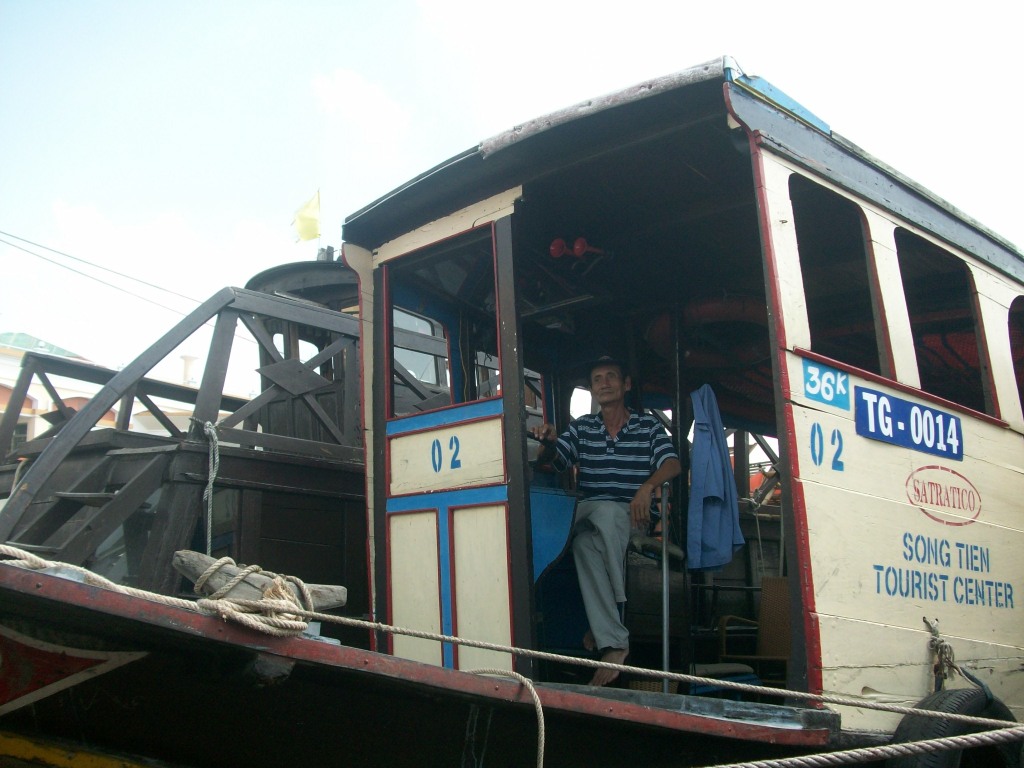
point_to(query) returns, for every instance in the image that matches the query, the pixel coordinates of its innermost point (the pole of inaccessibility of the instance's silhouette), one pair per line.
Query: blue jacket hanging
(713, 517)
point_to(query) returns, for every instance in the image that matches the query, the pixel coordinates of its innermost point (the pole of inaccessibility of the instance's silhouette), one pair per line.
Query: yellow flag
(307, 219)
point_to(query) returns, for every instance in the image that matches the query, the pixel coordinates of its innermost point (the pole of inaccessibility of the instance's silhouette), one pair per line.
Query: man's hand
(640, 507)
(545, 433)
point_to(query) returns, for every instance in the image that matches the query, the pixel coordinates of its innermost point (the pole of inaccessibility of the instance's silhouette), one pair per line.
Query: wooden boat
(861, 335)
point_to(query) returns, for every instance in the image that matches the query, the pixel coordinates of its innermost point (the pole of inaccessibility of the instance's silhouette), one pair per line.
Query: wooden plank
(208, 400)
(415, 590)
(909, 566)
(893, 316)
(97, 407)
(45, 516)
(788, 275)
(179, 510)
(12, 411)
(832, 453)
(482, 584)
(294, 311)
(454, 456)
(994, 298)
(294, 445)
(89, 528)
(893, 665)
(475, 215)
(254, 586)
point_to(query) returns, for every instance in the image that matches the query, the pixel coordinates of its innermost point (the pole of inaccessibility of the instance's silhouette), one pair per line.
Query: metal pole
(664, 584)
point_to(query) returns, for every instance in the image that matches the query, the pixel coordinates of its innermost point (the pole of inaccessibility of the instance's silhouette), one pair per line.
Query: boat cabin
(863, 341)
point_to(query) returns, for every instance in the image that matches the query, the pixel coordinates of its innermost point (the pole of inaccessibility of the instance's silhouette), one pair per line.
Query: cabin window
(1017, 344)
(489, 385)
(581, 403)
(425, 366)
(837, 281)
(940, 299)
(444, 325)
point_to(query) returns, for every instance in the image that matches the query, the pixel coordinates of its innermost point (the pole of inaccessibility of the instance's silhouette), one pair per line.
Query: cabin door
(453, 550)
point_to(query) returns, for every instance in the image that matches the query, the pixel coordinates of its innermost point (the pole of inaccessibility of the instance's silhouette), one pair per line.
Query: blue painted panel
(445, 416)
(491, 494)
(551, 512)
(891, 419)
(443, 502)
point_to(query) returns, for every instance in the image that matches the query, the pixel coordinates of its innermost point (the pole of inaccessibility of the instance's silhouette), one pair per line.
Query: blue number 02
(837, 441)
(453, 446)
(818, 447)
(817, 444)
(435, 453)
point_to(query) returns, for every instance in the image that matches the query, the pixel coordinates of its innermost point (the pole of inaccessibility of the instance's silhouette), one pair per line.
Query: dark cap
(607, 360)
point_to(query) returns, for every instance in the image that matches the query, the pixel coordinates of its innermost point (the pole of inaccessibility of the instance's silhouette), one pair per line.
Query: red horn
(580, 248)
(558, 248)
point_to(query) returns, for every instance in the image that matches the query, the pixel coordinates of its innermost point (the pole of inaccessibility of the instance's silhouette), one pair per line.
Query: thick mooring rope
(280, 614)
(528, 685)
(868, 754)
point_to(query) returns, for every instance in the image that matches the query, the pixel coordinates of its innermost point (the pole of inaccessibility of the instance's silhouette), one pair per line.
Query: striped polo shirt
(613, 468)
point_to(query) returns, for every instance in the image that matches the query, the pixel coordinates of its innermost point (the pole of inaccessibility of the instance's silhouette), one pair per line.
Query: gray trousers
(600, 537)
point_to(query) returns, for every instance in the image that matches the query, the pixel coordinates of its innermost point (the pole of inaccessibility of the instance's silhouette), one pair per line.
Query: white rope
(214, 467)
(528, 684)
(868, 754)
(282, 616)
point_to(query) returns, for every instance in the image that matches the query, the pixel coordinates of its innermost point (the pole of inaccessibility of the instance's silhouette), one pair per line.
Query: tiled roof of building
(30, 343)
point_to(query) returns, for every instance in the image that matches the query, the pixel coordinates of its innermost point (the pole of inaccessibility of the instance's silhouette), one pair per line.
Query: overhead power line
(98, 280)
(96, 266)
(104, 282)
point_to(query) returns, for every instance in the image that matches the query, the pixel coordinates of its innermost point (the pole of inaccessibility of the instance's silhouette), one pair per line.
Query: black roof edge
(410, 202)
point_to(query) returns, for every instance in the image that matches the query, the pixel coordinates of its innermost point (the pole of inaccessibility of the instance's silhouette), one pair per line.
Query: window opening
(1016, 329)
(444, 325)
(837, 282)
(940, 299)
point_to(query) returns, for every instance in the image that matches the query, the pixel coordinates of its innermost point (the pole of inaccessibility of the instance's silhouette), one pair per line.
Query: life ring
(961, 701)
(739, 346)
(741, 355)
(727, 309)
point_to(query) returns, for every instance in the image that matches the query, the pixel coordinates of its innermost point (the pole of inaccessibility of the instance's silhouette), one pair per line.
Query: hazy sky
(173, 141)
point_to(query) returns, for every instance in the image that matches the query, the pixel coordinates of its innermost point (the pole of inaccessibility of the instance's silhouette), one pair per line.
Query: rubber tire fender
(961, 701)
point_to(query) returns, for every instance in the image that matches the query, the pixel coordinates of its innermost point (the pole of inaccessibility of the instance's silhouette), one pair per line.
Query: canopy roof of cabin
(693, 98)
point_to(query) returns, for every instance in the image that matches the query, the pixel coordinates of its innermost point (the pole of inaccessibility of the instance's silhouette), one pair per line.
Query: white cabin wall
(881, 232)
(995, 295)
(853, 497)
(360, 260)
(782, 232)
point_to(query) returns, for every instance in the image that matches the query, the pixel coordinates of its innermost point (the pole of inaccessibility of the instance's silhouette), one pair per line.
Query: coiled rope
(281, 615)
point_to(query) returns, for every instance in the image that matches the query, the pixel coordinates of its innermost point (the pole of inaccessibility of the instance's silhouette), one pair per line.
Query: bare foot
(589, 643)
(611, 656)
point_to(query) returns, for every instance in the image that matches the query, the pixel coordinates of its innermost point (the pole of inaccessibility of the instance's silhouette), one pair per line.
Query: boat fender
(961, 701)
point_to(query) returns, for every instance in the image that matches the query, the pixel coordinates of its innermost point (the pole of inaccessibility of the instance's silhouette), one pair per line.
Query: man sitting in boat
(623, 457)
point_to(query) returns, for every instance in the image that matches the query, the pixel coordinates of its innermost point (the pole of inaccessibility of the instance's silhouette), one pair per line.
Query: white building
(39, 403)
